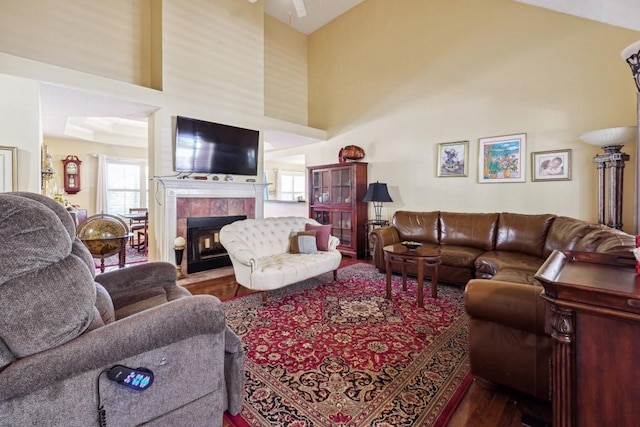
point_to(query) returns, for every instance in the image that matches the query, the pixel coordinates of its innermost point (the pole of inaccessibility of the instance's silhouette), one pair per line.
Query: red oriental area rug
(324, 353)
(133, 257)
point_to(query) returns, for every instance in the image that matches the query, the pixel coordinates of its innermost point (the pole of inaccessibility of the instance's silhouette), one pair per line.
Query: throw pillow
(303, 242)
(322, 235)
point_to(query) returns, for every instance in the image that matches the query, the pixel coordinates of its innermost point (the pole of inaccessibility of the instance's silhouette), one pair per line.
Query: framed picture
(8, 169)
(551, 165)
(502, 159)
(453, 158)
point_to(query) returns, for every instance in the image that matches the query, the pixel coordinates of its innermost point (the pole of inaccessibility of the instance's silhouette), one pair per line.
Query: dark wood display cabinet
(594, 304)
(335, 197)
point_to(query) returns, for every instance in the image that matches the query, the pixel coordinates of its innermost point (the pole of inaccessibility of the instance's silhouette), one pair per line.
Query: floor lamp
(631, 55)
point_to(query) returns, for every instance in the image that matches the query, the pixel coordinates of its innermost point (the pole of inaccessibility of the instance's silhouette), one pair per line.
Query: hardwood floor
(479, 408)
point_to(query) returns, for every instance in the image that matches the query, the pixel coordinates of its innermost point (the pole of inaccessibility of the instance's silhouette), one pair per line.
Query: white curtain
(101, 193)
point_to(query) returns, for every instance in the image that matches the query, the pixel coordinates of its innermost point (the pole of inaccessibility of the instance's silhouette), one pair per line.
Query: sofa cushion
(606, 239)
(565, 233)
(490, 262)
(303, 242)
(322, 235)
(417, 226)
(459, 256)
(476, 230)
(511, 275)
(523, 233)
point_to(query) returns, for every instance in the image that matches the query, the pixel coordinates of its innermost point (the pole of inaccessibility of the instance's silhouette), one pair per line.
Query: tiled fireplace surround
(184, 199)
(209, 207)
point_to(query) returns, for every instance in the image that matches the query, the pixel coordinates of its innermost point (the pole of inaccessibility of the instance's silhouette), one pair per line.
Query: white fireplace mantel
(170, 189)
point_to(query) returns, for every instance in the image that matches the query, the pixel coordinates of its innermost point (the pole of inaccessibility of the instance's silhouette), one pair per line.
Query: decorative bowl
(610, 136)
(352, 152)
(411, 245)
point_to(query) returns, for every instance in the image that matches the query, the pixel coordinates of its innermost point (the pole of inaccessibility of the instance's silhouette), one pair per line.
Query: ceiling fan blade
(301, 9)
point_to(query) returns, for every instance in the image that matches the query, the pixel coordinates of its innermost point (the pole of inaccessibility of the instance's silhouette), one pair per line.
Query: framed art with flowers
(502, 159)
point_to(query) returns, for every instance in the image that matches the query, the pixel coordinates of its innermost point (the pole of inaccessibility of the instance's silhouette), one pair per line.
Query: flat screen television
(205, 147)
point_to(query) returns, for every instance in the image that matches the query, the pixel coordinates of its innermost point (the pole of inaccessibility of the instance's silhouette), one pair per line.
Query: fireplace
(204, 250)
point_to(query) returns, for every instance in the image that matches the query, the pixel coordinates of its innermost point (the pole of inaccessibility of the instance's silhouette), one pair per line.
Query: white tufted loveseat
(259, 252)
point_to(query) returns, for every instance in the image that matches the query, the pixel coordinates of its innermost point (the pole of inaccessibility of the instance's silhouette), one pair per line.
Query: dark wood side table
(595, 320)
(369, 225)
(421, 257)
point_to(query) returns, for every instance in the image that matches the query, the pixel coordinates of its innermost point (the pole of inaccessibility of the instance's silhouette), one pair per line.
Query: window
(292, 185)
(127, 185)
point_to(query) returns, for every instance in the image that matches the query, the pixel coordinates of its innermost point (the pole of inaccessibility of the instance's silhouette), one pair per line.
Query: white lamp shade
(631, 55)
(610, 136)
(630, 50)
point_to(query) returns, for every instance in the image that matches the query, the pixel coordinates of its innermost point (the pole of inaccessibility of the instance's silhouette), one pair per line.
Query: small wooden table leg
(420, 267)
(404, 275)
(434, 280)
(387, 262)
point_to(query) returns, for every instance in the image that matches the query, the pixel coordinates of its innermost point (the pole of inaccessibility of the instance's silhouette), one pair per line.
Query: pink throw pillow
(322, 235)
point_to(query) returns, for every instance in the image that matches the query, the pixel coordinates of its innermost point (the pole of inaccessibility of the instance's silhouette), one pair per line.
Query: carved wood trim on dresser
(594, 302)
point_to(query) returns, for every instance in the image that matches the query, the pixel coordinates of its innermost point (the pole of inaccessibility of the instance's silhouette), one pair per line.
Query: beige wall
(106, 38)
(88, 153)
(399, 80)
(285, 72)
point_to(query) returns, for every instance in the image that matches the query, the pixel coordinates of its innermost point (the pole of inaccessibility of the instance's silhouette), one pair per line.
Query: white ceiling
(319, 12)
(79, 115)
(621, 13)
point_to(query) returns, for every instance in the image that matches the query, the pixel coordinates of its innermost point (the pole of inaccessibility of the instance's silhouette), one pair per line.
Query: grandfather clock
(71, 171)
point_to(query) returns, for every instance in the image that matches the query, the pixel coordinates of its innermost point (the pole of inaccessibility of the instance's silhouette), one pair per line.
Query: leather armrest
(518, 306)
(379, 238)
(108, 345)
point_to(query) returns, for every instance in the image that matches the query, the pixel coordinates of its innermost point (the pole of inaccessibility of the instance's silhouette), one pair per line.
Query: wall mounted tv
(205, 147)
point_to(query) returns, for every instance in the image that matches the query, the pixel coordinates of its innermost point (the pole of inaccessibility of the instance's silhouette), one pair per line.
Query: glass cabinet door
(321, 186)
(341, 226)
(341, 186)
(322, 217)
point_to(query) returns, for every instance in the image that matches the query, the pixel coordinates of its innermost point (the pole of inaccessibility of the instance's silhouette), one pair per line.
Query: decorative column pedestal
(611, 140)
(612, 159)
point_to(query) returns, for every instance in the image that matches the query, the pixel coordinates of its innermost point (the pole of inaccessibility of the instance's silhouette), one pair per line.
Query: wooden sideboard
(595, 325)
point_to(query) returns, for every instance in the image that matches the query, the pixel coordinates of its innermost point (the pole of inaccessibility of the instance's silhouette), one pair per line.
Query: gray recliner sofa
(62, 328)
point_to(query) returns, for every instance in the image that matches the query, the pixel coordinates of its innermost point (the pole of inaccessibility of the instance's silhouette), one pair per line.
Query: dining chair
(138, 225)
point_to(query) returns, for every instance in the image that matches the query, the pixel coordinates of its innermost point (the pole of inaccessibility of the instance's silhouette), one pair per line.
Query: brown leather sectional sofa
(495, 255)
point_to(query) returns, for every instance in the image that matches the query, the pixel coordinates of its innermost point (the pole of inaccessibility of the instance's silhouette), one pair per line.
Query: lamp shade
(377, 192)
(610, 136)
(631, 54)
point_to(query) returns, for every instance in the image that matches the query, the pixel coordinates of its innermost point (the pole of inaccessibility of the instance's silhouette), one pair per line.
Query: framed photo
(453, 158)
(551, 165)
(8, 169)
(502, 159)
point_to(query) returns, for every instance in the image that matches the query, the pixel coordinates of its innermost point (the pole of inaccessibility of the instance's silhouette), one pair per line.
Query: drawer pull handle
(633, 303)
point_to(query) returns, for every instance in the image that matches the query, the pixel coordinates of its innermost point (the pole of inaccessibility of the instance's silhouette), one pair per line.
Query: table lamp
(378, 194)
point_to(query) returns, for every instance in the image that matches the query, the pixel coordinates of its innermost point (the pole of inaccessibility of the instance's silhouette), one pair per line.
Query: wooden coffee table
(420, 257)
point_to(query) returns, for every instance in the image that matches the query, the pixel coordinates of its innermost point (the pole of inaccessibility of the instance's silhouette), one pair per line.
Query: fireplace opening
(204, 250)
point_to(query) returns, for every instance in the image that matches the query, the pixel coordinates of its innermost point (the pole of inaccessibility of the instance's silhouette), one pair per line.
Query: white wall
(20, 127)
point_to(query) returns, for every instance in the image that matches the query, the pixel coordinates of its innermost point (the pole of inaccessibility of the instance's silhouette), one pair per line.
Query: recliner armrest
(108, 345)
(516, 305)
(137, 277)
